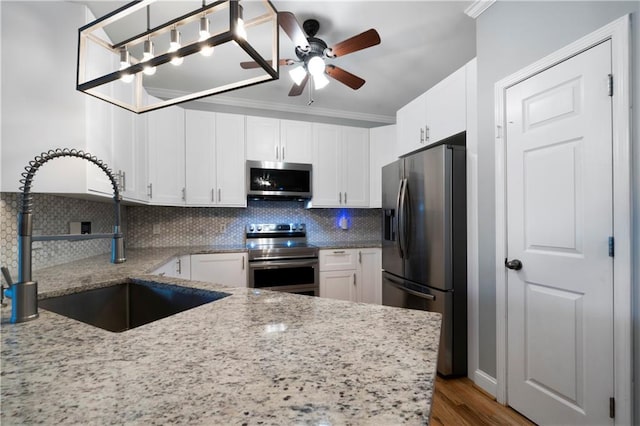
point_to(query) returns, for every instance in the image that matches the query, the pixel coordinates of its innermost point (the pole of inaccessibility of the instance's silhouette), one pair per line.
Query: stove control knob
(251, 228)
(301, 227)
(294, 226)
(259, 228)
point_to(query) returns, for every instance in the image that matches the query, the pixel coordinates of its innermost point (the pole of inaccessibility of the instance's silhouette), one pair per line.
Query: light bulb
(124, 63)
(174, 45)
(316, 66)
(241, 31)
(147, 55)
(298, 74)
(204, 34)
(320, 81)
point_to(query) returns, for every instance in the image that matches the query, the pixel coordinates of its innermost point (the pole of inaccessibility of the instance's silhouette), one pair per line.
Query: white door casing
(559, 219)
(618, 32)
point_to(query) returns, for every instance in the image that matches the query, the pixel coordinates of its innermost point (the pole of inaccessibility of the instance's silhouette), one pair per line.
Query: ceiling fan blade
(291, 26)
(253, 64)
(344, 77)
(361, 41)
(297, 89)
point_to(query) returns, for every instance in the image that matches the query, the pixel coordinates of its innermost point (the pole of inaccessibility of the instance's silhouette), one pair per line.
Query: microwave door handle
(397, 219)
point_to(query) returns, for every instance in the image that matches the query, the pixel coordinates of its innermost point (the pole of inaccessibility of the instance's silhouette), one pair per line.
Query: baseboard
(485, 382)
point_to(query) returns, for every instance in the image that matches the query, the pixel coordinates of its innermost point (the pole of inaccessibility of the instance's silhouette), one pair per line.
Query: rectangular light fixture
(190, 54)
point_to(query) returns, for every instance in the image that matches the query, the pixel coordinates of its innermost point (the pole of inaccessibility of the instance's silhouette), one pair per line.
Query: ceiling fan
(311, 53)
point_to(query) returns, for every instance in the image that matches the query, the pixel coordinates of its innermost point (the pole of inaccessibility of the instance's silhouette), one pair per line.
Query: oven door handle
(269, 264)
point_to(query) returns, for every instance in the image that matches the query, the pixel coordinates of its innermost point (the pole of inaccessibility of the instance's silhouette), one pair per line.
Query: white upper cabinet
(447, 107)
(263, 139)
(437, 114)
(382, 149)
(340, 166)
(214, 148)
(270, 139)
(295, 141)
(165, 131)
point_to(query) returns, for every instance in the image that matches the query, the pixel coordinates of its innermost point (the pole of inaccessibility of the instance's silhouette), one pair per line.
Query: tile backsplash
(51, 216)
(156, 226)
(152, 226)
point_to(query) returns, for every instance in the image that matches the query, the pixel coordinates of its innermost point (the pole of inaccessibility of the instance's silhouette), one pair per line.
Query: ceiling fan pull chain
(310, 95)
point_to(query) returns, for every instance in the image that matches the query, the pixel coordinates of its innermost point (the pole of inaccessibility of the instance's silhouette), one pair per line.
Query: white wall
(510, 36)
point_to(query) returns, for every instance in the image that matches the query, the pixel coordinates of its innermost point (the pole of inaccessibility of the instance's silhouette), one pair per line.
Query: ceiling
(422, 42)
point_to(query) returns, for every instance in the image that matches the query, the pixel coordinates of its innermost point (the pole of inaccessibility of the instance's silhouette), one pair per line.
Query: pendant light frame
(88, 34)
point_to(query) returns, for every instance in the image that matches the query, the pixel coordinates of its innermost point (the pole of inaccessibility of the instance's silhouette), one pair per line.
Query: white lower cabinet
(178, 267)
(351, 274)
(228, 269)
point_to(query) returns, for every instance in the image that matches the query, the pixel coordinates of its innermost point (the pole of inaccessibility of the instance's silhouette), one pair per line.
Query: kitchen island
(255, 357)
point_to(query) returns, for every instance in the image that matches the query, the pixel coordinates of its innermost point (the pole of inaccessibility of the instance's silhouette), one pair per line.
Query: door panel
(559, 219)
(391, 259)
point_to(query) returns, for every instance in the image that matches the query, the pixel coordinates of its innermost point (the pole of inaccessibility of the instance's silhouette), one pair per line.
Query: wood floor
(459, 402)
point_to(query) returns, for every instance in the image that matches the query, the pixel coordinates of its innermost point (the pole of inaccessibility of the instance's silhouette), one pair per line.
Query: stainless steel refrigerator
(424, 238)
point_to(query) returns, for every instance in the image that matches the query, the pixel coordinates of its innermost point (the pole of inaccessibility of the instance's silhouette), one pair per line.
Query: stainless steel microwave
(272, 180)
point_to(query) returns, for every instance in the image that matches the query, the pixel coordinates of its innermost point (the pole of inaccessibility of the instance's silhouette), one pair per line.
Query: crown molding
(275, 106)
(477, 7)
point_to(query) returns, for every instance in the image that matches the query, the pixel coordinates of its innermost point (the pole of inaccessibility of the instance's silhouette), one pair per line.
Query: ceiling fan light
(320, 81)
(174, 45)
(298, 74)
(316, 66)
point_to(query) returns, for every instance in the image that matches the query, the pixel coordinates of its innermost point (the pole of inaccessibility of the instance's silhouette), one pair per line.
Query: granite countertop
(255, 357)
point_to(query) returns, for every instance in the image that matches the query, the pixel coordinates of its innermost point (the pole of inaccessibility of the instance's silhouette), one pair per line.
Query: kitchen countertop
(255, 357)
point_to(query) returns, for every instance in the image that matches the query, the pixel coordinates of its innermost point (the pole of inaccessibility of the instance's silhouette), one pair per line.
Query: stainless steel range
(280, 258)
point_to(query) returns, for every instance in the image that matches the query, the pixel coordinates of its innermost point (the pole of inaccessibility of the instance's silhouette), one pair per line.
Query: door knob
(514, 264)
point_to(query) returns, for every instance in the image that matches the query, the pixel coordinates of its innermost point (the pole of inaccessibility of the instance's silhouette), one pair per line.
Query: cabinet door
(355, 167)
(446, 107)
(125, 145)
(166, 156)
(200, 154)
(382, 141)
(295, 141)
(327, 166)
(230, 163)
(410, 125)
(263, 139)
(177, 267)
(369, 280)
(228, 269)
(338, 285)
(141, 173)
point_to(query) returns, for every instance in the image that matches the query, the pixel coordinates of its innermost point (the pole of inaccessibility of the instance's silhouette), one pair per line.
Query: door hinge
(612, 247)
(610, 84)
(612, 408)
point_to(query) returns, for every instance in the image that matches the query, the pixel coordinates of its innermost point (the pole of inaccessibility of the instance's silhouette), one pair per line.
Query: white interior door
(559, 219)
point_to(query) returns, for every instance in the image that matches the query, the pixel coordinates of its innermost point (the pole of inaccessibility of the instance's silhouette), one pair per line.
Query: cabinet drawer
(338, 260)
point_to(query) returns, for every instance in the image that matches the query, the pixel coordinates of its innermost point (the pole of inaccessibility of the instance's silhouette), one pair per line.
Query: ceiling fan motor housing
(317, 47)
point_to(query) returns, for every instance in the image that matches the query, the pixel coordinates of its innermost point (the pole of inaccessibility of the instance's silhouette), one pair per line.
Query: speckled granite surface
(250, 358)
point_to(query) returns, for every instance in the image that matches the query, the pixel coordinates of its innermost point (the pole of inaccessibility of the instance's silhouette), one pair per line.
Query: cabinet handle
(345, 198)
(277, 153)
(124, 180)
(427, 133)
(340, 196)
(184, 194)
(338, 252)
(213, 195)
(283, 153)
(219, 194)
(150, 193)
(359, 257)
(179, 270)
(354, 279)
(243, 263)
(421, 135)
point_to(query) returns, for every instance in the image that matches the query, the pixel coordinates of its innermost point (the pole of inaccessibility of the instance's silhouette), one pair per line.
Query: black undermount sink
(129, 304)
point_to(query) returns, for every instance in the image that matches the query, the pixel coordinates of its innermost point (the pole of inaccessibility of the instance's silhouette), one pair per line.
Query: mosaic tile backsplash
(51, 216)
(155, 226)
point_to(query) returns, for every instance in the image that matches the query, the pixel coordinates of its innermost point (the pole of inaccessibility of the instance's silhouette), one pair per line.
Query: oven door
(300, 276)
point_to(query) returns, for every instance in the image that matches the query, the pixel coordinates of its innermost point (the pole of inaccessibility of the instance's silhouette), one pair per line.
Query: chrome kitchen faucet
(24, 293)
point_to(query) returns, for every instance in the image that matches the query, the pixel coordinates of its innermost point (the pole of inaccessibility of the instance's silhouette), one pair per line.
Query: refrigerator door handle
(398, 219)
(399, 286)
(406, 224)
